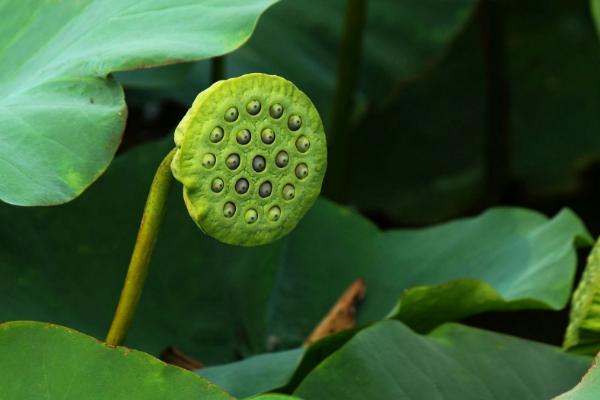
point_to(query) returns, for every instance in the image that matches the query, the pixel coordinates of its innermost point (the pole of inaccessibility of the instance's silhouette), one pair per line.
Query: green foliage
(587, 389)
(273, 293)
(583, 332)
(47, 361)
(61, 113)
(388, 360)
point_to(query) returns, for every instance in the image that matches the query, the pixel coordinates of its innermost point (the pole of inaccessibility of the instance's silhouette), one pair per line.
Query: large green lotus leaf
(66, 265)
(299, 40)
(45, 361)
(389, 361)
(61, 114)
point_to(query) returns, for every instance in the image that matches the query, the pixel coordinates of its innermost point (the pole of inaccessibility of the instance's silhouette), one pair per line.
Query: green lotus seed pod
(252, 194)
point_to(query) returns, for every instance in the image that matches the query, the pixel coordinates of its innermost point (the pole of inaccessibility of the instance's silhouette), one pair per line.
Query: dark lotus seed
(231, 114)
(288, 192)
(217, 185)
(229, 209)
(268, 136)
(244, 136)
(242, 185)
(301, 171)
(208, 161)
(253, 107)
(294, 122)
(282, 159)
(265, 189)
(217, 134)
(251, 216)
(302, 144)
(274, 213)
(276, 110)
(259, 163)
(233, 161)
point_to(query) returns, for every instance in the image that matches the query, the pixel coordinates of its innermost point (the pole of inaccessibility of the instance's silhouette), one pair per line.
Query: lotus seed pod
(257, 188)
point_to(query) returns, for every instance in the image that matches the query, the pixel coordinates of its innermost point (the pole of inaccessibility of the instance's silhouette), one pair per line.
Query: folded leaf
(389, 361)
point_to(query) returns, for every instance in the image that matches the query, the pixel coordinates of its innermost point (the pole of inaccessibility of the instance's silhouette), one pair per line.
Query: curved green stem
(142, 252)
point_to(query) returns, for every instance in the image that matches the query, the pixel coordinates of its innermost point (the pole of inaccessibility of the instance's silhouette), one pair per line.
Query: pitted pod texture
(251, 155)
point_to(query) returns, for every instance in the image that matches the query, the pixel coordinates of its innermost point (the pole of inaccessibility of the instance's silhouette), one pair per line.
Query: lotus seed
(274, 213)
(301, 171)
(288, 192)
(244, 136)
(276, 110)
(208, 161)
(217, 185)
(217, 134)
(294, 122)
(282, 159)
(251, 216)
(259, 163)
(302, 144)
(253, 107)
(242, 185)
(265, 189)
(229, 209)
(233, 161)
(268, 136)
(231, 114)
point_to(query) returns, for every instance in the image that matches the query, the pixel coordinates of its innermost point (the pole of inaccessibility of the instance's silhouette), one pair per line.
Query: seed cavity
(253, 107)
(276, 111)
(229, 209)
(244, 136)
(231, 114)
(301, 171)
(265, 189)
(242, 185)
(302, 144)
(294, 122)
(274, 213)
(209, 160)
(288, 192)
(282, 159)
(267, 135)
(217, 185)
(259, 163)
(233, 161)
(217, 134)
(251, 216)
